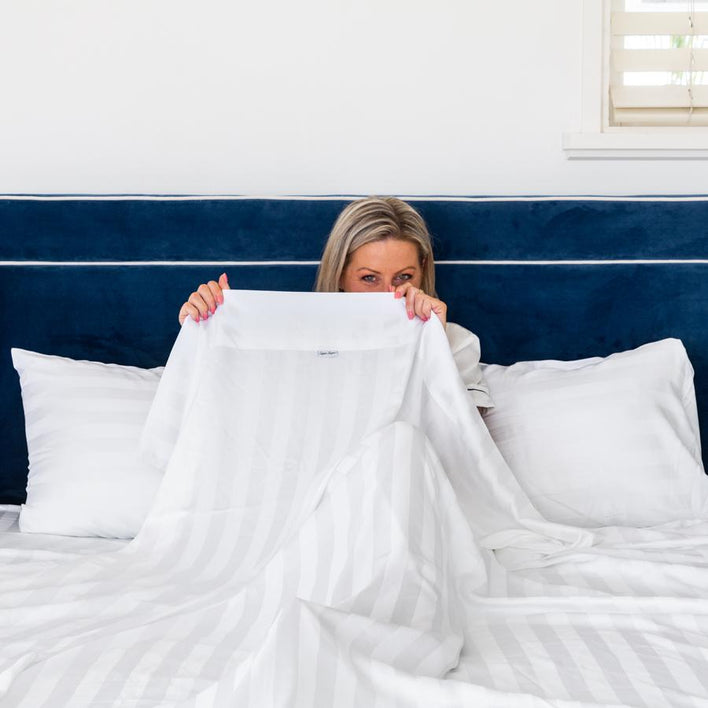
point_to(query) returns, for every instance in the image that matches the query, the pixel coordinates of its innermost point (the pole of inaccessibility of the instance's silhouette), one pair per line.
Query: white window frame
(597, 139)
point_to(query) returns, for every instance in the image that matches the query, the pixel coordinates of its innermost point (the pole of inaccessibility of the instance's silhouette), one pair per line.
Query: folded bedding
(335, 525)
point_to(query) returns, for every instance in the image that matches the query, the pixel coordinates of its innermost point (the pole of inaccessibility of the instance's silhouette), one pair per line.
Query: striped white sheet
(323, 537)
(41, 546)
(9, 514)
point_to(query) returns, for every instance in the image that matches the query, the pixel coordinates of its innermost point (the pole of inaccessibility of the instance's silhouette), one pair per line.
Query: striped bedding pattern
(14, 544)
(335, 527)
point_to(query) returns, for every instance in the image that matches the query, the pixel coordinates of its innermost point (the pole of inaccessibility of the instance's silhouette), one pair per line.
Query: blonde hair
(374, 219)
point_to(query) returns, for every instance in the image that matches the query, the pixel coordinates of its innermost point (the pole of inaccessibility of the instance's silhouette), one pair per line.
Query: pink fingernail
(410, 315)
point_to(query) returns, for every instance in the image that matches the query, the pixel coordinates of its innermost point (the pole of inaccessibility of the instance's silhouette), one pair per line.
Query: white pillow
(603, 442)
(83, 420)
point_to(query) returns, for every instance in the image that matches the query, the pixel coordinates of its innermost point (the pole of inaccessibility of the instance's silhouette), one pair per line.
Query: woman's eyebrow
(378, 273)
(410, 267)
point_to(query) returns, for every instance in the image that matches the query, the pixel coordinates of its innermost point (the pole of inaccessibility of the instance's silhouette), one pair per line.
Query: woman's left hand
(420, 304)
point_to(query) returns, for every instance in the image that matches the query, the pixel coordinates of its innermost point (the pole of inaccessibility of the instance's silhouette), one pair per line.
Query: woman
(377, 245)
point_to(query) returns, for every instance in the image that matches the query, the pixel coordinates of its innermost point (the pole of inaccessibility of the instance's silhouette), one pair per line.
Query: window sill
(658, 145)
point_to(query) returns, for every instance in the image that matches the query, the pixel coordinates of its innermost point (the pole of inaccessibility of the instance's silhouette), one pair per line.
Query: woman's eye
(369, 278)
(403, 277)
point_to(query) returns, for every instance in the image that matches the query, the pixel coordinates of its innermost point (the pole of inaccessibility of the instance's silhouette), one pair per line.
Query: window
(659, 63)
(645, 80)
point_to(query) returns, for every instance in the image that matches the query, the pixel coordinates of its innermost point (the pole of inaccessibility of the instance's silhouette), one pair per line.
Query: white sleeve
(466, 351)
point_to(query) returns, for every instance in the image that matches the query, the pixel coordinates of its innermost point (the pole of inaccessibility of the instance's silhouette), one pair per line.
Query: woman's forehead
(390, 254)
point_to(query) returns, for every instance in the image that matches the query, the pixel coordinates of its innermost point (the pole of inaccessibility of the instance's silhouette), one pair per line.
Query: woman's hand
(204, 300)
(419, 304)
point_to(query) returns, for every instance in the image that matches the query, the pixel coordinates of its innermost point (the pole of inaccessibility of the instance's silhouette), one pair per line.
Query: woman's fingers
(410, 295)
(188, 310)
(196, 299)
(422, 305)
(208, 292)
(415, 299)
(440, 309)
(419, 304)
(408, 292)
(204, 300)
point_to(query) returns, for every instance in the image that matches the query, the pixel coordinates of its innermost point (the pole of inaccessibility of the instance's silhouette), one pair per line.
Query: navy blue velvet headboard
(103, 278)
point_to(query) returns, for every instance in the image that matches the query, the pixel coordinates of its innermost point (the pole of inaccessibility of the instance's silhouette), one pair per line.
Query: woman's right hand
(204, 300)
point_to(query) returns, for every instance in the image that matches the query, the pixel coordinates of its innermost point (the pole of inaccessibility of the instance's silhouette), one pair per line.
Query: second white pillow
(603, 441)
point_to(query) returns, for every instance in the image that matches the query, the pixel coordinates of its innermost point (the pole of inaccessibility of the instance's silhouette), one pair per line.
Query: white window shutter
(659, 64)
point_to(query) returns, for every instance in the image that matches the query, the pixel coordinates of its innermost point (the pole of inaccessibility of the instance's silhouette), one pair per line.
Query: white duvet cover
(46, 545)
(335, 527)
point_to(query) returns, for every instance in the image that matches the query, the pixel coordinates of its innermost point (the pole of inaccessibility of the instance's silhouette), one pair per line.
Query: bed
(591, 315)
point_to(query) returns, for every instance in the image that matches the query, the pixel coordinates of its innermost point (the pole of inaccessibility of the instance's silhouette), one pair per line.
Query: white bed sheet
(396, 563)
(624, 623)
(12, 539)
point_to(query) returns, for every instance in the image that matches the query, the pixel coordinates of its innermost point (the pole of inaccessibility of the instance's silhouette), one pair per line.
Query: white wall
(302, 97)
